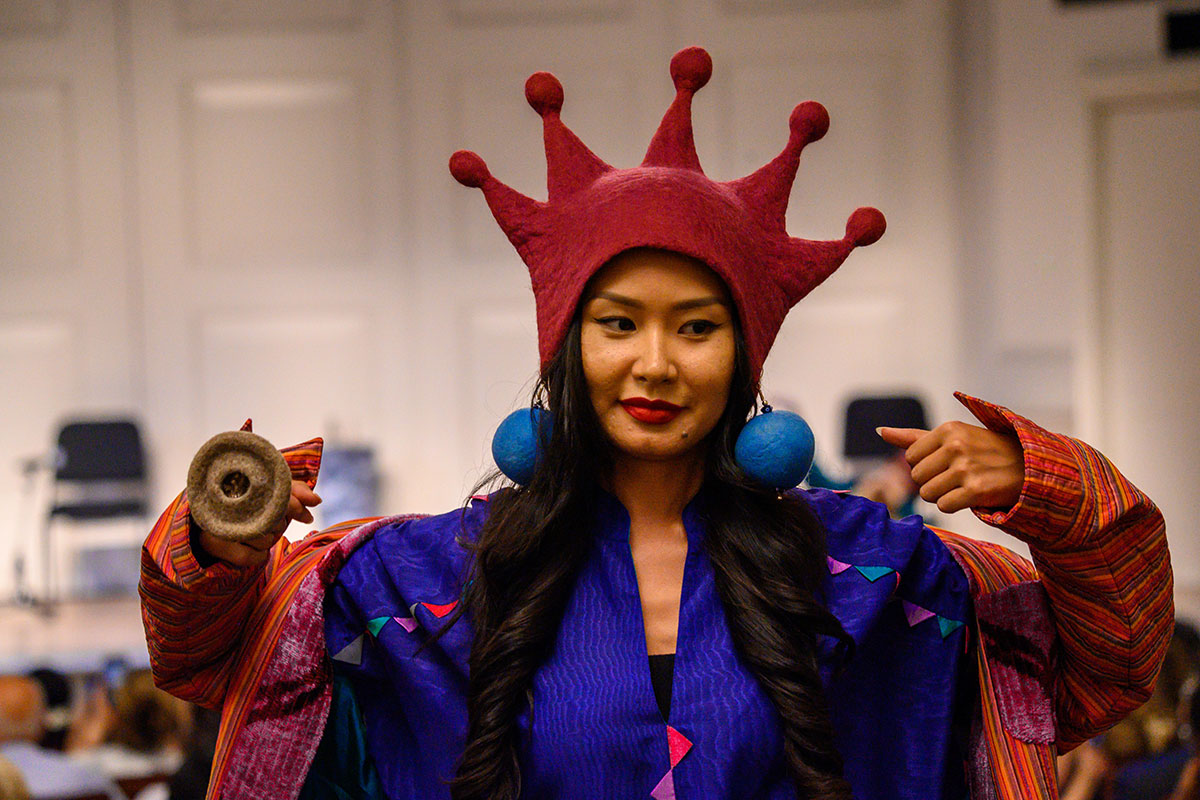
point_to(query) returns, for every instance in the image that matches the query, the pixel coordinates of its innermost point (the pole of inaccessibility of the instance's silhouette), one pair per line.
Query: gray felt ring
(238, 486)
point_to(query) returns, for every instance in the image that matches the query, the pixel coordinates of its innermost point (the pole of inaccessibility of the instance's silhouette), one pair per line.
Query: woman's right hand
(256, 551)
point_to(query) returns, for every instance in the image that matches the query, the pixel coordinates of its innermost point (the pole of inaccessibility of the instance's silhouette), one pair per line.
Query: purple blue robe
(594, 728)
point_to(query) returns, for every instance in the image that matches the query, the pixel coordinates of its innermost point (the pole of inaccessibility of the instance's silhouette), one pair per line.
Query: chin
(665, 445)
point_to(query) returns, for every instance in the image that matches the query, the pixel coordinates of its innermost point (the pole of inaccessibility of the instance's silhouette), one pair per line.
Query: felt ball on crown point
(775, 449)
(469, 169)
(809, 121)
(517, 444)
(865, 226)
(544, 93)
(691, 68)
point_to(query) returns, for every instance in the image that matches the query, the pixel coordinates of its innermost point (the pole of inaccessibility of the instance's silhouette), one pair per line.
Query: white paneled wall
(211, 211)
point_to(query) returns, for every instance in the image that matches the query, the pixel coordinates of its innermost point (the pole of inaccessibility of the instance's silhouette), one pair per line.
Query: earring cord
(764, 405)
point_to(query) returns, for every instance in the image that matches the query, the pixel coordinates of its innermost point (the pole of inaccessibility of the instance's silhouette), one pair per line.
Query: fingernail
(879, 431)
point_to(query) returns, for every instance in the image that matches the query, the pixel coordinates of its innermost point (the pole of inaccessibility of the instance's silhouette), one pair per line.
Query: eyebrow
(683, 305)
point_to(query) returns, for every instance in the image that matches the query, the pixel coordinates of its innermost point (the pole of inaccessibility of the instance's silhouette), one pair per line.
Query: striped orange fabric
(1100, 548)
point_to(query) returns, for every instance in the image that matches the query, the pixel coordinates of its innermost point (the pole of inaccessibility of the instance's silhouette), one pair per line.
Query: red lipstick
(653, 412)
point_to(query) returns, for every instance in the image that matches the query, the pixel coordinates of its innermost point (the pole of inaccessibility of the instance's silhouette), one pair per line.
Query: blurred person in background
(47, 773)
(140, 733)
(12, 783)
(1083, 773)
(190, 781)
(1188, 787)
(56, 688)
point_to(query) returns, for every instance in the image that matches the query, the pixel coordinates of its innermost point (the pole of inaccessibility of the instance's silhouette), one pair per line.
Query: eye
(622, 324)
(698, 327)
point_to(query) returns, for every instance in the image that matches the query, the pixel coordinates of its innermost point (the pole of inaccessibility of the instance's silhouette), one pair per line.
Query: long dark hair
(767, 552)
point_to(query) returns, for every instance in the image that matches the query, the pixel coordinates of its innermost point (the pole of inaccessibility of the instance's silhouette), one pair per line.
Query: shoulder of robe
(857, 527)
(436, 542)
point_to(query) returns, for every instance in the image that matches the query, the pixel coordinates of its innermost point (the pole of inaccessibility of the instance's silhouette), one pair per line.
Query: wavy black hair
(768, 555)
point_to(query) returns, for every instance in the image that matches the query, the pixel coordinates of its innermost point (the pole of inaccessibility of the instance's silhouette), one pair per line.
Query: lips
(653, 412)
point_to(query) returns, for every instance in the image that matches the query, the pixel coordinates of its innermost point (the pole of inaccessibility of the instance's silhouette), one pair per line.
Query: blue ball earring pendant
(775, 449)
(516, 446)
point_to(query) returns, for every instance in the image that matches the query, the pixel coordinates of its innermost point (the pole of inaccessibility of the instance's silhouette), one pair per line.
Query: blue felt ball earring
(775, 449)
(517, 445)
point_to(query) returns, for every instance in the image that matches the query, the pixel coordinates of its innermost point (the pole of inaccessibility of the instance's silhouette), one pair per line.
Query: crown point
(865, 226)
(469, 169)
(691, 68)
(544, 93)
(809, 121)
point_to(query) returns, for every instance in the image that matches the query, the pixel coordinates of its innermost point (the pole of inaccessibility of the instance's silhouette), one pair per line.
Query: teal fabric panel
(342, 768)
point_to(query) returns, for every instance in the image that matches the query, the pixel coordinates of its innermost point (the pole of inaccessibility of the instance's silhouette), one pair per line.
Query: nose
(654, 363)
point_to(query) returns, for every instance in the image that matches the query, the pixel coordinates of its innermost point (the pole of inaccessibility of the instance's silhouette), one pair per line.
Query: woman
(516, 647)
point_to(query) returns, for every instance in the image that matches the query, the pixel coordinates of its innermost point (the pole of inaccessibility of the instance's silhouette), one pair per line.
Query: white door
(1149, 310)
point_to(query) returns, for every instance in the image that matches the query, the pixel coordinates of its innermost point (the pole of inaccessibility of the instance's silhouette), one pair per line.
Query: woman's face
(657, 340)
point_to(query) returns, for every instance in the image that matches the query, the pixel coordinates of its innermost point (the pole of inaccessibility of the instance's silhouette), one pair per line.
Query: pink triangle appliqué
(836, 567)
(678, 745)
(915, 613)
(665, 790)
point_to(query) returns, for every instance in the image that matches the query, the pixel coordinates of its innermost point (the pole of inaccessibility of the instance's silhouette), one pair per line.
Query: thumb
(900, 437)
(304, 494)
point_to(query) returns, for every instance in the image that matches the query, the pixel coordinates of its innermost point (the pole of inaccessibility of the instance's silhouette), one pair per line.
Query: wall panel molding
(507, 12)
(39, 213)
(268, 15)
(276, 172)
(791, 6)
(297, 376)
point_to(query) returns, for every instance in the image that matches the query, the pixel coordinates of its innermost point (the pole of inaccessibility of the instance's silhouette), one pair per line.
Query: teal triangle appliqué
(948, 626)
(874, 573)
(374, 625)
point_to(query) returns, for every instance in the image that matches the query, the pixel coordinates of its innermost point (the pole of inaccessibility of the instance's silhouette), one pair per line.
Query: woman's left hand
(962, 466)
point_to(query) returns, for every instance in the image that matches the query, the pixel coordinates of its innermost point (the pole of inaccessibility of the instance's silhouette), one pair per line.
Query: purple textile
(594, 720)
(1017, 630)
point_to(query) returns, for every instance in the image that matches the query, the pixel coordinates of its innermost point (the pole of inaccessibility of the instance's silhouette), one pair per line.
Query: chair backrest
(865, 414)
(100, 451)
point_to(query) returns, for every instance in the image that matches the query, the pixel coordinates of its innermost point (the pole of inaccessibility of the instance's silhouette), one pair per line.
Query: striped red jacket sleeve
(194, 615)
(1100, 548)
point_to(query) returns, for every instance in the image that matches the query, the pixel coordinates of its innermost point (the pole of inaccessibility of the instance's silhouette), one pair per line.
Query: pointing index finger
(900, 437)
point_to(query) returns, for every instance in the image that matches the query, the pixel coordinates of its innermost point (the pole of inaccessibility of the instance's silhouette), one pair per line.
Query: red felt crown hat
(595, 211)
